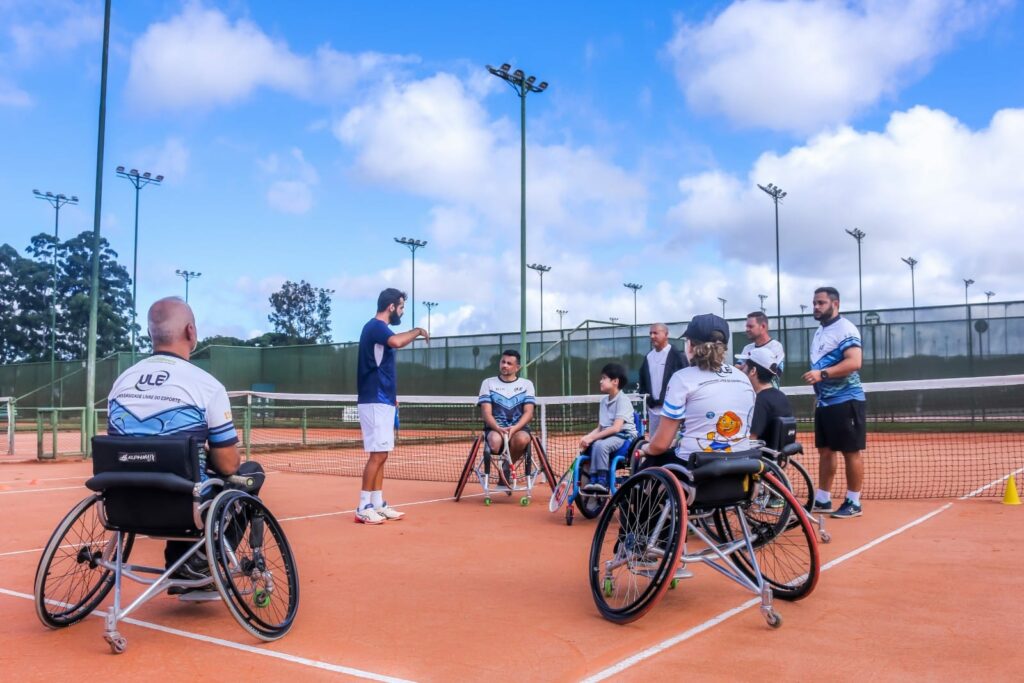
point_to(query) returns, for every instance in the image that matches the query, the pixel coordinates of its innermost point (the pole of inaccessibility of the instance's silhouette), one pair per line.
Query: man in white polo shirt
(757, 333)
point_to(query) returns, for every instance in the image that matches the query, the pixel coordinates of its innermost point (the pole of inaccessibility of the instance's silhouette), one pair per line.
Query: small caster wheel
(487, 500)
(774, 619)
(118, 643)
(826, 537)
(607, 587)
(568, 515)
(673, 584)
(524, 501)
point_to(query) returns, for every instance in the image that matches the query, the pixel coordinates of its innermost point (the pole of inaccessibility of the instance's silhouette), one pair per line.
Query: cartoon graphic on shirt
(721, 440)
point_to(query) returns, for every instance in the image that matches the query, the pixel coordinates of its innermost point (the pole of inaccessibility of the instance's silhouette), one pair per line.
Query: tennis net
(926, 439)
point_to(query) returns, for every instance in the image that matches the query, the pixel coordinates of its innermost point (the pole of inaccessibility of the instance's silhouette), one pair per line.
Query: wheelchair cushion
(723, 478)
(147, 483)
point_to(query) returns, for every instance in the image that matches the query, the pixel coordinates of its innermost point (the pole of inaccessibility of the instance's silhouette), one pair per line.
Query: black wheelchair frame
(155, 487)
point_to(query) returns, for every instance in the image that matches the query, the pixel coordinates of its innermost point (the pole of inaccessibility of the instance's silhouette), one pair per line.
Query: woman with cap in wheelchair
(711, 399)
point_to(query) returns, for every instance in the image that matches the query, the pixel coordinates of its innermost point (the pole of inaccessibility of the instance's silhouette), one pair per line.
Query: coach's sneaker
(822, 507)
(368, 515)
(389, 513)
(847, 509)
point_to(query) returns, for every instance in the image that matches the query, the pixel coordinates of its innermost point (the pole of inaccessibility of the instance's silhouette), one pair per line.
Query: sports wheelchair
(511, 477)
(791, 472)
(153, 486)
(742, 521)
(570, 487)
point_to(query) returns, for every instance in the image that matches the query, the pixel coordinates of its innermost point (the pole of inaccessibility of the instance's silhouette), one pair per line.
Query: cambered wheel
(252, 564)
(69, 583)
(637, 545)
(785, 546)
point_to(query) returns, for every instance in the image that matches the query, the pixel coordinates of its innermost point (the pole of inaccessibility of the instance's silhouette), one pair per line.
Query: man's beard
(395, 319)
(826, 315)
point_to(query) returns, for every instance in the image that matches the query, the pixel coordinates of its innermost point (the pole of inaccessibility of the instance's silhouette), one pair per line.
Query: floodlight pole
(56, 201)
(541, 269)
(413, 245)
(859, 235)
(522, 85)
(911, 261)
(138, 181)
(723, 305)
(561, 315)
(94, 293)
(187, 275)
(762, 297)
(632, 336)
(561, 347)
(988, 297)
(776, 193)
(431, 305)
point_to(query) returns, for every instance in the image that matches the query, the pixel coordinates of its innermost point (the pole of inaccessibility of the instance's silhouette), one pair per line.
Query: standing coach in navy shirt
(378, 393)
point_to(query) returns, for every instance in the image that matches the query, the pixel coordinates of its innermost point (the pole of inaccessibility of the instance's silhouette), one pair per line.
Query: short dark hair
(764, 375)
(616, 373)
(832, 292)
(759, 316)
(389, 296)
(514, 354)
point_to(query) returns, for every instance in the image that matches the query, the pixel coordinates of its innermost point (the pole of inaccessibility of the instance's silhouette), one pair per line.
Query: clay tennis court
(922, 589)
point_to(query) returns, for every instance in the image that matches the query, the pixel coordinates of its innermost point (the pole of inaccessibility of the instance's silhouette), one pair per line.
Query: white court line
(23, 481)
(401, 505)
(631, 661)
(250, 649)
(61, 488)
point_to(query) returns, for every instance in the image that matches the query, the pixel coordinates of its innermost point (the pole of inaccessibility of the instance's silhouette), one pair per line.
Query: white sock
(822, 496)
(364, 499)
(854, 496)
(377, 498)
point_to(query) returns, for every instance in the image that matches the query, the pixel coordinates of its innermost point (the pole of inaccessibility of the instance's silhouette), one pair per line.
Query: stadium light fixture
(138, 182)
(723, 305)
(522, 85)
(777, 195)
(632, 334)
(56, 201)
(413, 245)
(859, 235)
(561, 316)
(911, 261)
(431, 305)
(188, 275)
(988, 296)
(967, 283)
(762, 297)
(541, 269)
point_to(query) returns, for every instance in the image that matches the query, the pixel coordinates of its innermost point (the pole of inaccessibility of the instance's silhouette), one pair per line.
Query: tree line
(300, 312)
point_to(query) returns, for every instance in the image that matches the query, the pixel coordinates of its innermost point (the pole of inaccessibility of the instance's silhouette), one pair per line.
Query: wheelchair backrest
(147, 483)
(784, 432)
(723, 478)
(638, 422)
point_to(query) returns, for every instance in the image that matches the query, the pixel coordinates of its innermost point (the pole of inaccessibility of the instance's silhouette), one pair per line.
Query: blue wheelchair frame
(620, 459)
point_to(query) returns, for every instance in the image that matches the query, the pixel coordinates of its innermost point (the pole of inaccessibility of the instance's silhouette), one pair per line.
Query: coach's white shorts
(377, 420)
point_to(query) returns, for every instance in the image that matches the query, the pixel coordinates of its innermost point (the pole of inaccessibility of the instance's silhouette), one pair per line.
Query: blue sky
(297, 144)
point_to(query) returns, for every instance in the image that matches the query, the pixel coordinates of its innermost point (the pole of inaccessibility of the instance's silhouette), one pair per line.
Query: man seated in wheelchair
(760, 367)
(506, 405)
(711, 399)
(614, 427)
(167, 395)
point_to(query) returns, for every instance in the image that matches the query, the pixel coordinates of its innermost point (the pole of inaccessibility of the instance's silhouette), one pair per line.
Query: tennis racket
(562, 489)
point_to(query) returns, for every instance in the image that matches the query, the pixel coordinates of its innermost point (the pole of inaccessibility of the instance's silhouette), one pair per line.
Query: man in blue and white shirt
(377, 384)
(506, 405)
(839, 413)
(166, 395)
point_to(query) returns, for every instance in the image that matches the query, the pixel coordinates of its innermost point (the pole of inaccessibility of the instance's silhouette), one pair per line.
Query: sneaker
(368, 515)
(388, 512)
(822, 507)
(598, 484)
(848, 509)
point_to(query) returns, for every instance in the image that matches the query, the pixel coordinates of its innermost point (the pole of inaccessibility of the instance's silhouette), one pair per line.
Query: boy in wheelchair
(614, 427)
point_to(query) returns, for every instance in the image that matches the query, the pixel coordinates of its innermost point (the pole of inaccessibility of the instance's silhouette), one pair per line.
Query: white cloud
(13, 96)
(799, 65)
(61, 28)
(201, 58)
(926, 186)
(171, 160)
(292, 189)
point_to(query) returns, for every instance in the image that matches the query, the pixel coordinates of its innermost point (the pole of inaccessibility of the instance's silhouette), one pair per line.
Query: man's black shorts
(841, 427)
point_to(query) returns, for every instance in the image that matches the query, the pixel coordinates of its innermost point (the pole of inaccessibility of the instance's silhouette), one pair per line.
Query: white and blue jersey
(508, 400)
(831, 340)
(714, 407)
(164, 395)
(376, 381)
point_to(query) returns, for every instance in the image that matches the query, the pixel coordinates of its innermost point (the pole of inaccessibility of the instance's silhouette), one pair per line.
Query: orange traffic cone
(1011, 497)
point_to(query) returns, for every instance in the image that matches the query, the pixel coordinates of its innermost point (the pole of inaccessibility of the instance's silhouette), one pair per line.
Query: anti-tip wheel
(118, 643)
(826, 537)
(487, 501)
(774, 619)
(524, 501)
(673, 584)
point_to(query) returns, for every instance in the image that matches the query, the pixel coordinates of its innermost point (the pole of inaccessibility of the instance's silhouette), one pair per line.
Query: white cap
(761, 356)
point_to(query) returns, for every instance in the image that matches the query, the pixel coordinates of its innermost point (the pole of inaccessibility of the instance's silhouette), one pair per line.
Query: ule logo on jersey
(152, 379)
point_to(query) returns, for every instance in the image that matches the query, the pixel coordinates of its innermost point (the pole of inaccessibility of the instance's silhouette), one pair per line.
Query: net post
(39, 435)
(12, 420)
(84, 437)
(55, 425)
(544, 425)
(247, 426)
(304, 424)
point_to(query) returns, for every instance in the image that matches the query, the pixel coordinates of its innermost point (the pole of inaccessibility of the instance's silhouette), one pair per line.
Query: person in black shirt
(770, 403)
